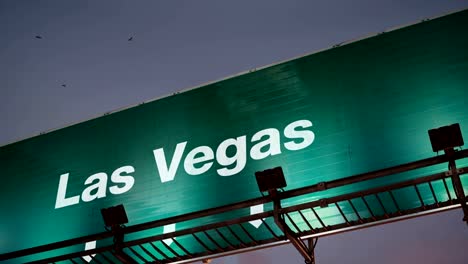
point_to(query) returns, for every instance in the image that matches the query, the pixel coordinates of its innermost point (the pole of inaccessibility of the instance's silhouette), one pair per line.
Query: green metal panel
(370, 104)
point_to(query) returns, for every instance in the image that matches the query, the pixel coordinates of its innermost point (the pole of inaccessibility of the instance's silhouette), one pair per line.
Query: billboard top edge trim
(341, 44)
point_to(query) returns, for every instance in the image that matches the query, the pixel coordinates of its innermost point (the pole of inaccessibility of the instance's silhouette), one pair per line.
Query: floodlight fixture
(271, 179)
(446, 137)
(114, 216)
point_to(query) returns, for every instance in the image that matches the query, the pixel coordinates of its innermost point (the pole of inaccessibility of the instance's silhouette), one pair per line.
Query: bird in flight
(130, 39)
(39, 37)
(64, 85)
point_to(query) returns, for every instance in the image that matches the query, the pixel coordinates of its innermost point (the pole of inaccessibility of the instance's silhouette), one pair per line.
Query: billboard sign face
(351, 109)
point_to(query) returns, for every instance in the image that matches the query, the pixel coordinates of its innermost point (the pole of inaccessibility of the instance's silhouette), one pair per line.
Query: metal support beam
(307, 252)
(456, 182)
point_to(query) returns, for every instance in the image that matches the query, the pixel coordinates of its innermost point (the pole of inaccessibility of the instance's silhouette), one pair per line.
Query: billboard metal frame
(278, 221)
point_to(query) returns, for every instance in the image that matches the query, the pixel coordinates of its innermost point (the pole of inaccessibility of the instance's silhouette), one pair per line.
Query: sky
(84, 66)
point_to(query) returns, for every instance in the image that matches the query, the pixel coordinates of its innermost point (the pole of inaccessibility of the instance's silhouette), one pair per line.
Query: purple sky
(181, 44)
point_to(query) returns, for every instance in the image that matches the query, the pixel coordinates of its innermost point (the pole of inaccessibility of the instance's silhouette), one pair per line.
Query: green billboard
(347, 110)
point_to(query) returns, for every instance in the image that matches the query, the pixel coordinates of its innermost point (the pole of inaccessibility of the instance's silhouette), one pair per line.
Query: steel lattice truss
(285, 220)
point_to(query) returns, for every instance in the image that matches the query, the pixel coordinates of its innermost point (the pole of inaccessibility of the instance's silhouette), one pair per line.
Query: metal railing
(281, 223)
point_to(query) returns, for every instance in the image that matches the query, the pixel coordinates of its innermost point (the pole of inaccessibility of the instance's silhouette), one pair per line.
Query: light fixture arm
(307, 251)
(456, 182)
(117, 231)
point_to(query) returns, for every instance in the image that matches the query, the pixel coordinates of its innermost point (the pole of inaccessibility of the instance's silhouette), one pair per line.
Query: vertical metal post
(312, 245)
